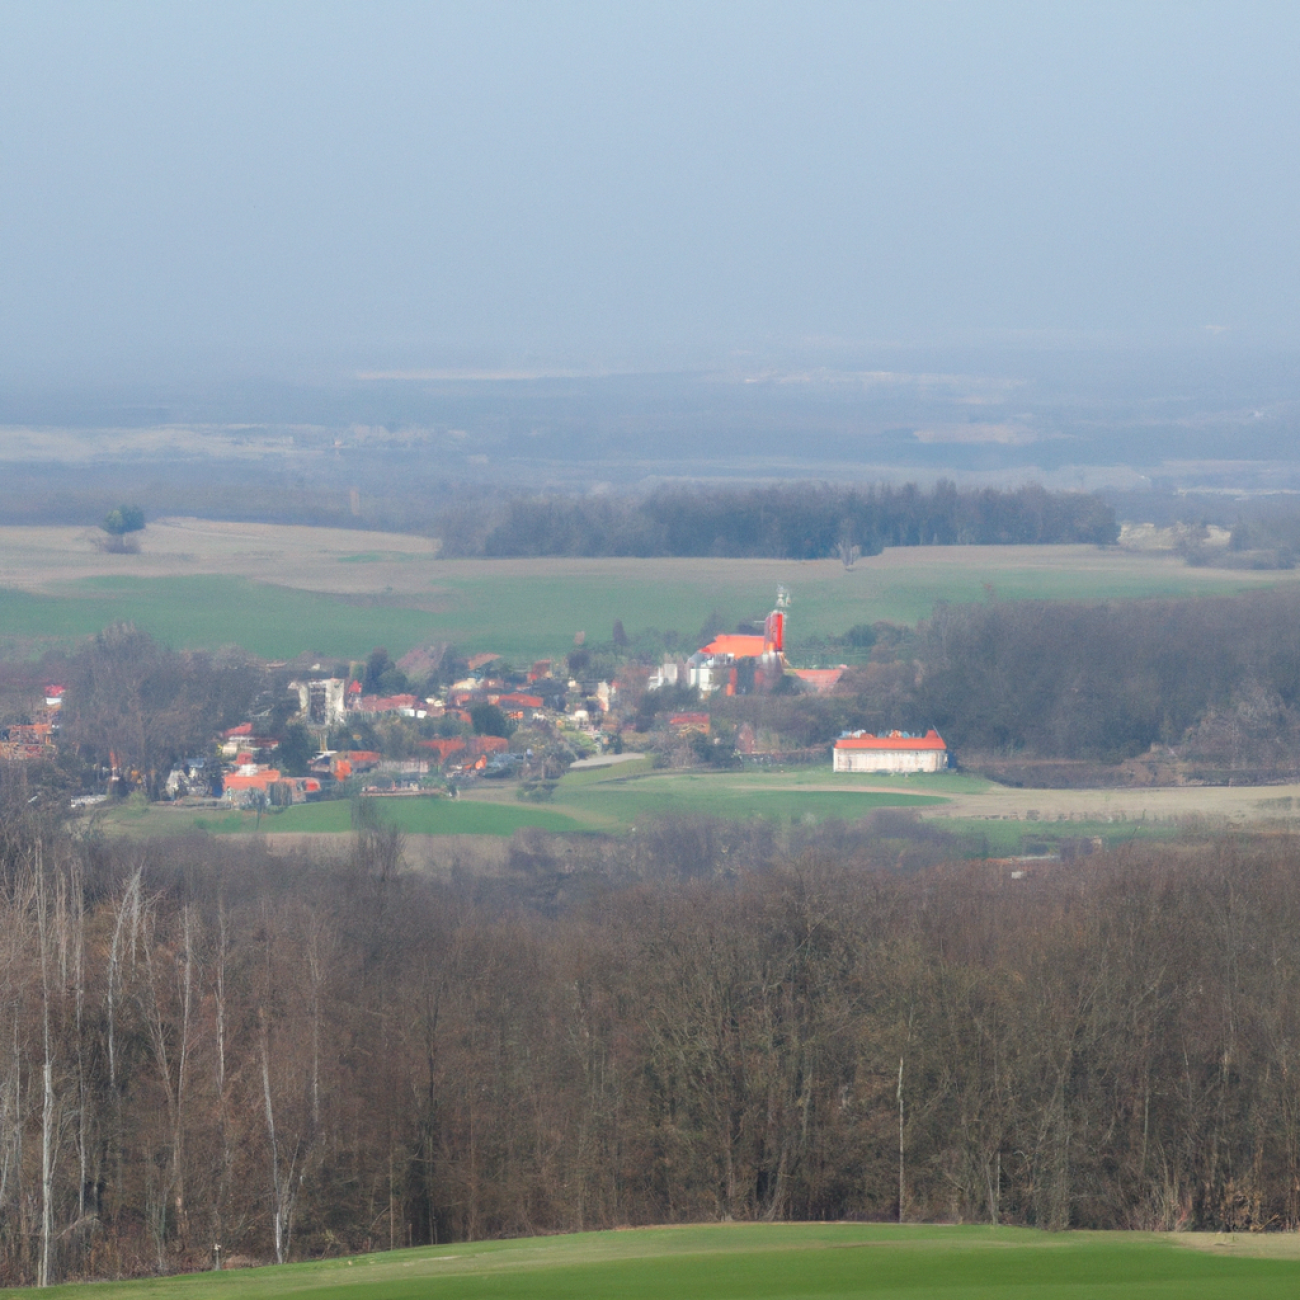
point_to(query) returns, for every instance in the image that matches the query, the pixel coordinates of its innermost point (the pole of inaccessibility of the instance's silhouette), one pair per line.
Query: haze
(243, 189)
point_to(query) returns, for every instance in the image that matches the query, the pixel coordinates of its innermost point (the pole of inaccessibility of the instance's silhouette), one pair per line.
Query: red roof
(522, 701)
(737, 646)
(820, 679)
(244, 729)
(894, 740)
(259, 781)
(488, 745)
(387, 703)
(444, 747)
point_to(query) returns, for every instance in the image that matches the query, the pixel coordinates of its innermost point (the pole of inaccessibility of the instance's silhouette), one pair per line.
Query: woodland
(206, 1047)
(801, 521)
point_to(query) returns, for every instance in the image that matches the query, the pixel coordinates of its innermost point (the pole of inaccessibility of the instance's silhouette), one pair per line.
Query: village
(428, 724)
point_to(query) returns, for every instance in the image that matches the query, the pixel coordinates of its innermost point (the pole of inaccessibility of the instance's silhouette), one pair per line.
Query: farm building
(897, 751)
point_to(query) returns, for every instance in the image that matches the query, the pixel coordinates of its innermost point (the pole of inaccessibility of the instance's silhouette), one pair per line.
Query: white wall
(890, 760)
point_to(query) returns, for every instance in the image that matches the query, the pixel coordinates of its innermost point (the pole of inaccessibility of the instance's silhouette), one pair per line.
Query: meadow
(999, 820)
(279, 590)
(776, 1261)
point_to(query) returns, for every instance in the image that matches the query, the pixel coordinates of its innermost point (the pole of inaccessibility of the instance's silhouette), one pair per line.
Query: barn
(896, 751)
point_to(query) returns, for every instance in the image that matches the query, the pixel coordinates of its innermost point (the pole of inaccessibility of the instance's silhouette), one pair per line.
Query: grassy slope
(534, 608)
(786, 1261)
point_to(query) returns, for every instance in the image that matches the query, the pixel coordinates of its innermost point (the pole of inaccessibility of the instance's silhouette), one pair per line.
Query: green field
(779, 1262)
(607, 798)
(527, 609)
(415, 816)
(595, 799)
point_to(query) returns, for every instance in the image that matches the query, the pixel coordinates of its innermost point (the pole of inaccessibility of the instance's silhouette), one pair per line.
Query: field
(1000, 820)
(600, 799)
(280, 590)
(780, 1261)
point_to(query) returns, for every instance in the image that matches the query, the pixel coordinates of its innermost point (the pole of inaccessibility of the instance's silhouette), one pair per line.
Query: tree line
(796, 521)
(206, 1046)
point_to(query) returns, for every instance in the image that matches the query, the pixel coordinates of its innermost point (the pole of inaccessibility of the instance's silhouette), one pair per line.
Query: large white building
(860, 751)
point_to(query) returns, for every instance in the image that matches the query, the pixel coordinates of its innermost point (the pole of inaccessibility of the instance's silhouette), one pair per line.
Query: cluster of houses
(325, 703)
(31, 741)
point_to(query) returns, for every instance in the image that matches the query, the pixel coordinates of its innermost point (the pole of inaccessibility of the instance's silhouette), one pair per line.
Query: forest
(207, 1046)
(803, 521)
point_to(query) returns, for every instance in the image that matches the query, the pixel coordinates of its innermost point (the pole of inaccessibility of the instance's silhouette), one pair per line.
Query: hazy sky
(390, 185)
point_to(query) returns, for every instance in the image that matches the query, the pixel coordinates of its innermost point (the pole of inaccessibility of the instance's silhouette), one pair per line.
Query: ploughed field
(781, 1261)
(279, 590)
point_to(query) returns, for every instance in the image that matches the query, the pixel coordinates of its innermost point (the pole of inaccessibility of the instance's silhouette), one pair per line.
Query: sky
(517, 187)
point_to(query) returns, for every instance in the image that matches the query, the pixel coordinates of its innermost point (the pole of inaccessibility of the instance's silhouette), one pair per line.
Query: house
(243, 788)
(820, 681)
(897, 751)
(405, 704)
(235, 739)
(444, 746)
(518, 700)
(322, 702)
(54, 696)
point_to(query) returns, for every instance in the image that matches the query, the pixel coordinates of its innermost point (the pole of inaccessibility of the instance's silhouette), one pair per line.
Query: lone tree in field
(123, 520)
(121, 525)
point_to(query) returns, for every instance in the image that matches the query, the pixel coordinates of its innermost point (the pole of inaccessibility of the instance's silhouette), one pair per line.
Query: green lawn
(419, 816)
(773, 1262)
(615, 798)
(528, 609)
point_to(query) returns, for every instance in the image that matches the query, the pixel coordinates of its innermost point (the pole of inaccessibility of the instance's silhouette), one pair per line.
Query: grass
(414, 816)
(772, 1262)
(595, 799)
(525, 609)
(614, 798)
(1005, 839)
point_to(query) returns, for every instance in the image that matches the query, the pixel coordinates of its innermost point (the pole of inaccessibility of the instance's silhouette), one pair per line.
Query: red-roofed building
(388, 703)
(897, 751)
(517, 700)
(237, 787)
(444, 746)
(821, 681)
(738, 646)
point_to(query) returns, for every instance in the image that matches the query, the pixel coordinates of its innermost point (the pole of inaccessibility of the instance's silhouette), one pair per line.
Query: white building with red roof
(896, 751)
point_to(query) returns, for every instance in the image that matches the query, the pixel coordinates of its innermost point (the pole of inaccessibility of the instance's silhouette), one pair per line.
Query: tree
(123, 520)
(295, 751)
(489, 720)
